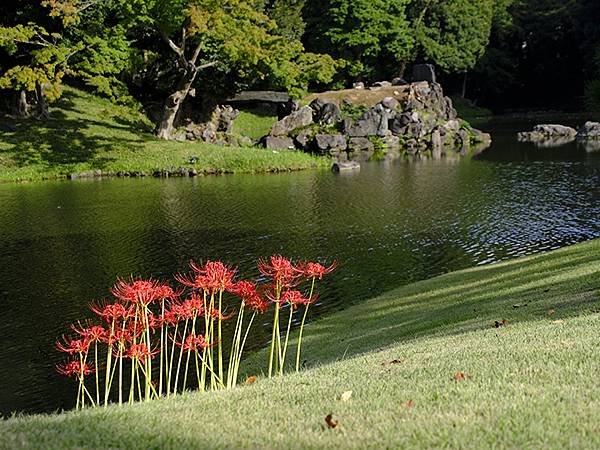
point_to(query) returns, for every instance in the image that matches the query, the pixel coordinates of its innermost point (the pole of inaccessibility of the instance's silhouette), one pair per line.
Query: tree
(41, 62)
(452, 33)
(374, 36)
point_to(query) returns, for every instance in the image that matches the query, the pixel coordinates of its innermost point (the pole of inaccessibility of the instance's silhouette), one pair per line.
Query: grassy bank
(426, 365)
(472, 113)
(87, 133)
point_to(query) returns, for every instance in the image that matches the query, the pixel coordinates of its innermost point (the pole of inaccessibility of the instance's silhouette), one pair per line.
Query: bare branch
(207, 65)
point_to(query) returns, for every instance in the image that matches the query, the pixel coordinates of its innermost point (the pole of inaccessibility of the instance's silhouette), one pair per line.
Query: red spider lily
(113, 311)
(244, 289)
(72, 346)
(279, 269)
(193, 343)
(140, 351)
(168, 318)
(192, 307)
(296, 298)
(213, 276)
(95, 333)
(257, 303)
(215, 314)
(316, 270)
(74, 369)
(140, 291)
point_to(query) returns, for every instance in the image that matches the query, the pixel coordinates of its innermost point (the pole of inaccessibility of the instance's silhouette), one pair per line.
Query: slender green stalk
(170, 373)
(180, 357)
(220, 342)
(162, 349)
(312, 288)
(187, 361)
(239, 356)
(97, 375)
(234, 346)
(108, 364)
(285, 344)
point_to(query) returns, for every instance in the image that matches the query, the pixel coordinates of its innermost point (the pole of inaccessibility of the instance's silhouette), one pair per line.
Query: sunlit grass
(529, 384)
(88, 133)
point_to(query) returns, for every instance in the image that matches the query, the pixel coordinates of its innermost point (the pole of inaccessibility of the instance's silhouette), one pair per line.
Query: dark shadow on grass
(456, 303)
(62, 141)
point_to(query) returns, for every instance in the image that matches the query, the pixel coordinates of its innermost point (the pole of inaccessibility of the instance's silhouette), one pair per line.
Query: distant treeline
(158, 53)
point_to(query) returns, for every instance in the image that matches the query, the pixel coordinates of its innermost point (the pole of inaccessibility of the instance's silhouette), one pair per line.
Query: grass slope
(88, 133)
(529, 384)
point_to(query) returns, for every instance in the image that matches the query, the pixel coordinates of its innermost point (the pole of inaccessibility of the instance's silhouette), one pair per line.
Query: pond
(64, 243)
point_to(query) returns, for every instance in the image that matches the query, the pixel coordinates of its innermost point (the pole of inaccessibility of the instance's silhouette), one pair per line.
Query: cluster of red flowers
(149, 318)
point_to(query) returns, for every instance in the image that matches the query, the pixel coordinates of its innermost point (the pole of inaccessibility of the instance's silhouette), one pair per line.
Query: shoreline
(462, 357)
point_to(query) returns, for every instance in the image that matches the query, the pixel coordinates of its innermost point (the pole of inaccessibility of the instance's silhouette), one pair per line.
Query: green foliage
(45, 62)
(379, 148)
(352, 111)
(287, 14)
(372, 35)
(592, 95)
(454, 34)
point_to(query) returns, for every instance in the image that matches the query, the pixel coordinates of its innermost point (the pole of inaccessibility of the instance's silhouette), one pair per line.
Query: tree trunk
(463, 93)
(165, 127)
(22, 105)
(42, 105)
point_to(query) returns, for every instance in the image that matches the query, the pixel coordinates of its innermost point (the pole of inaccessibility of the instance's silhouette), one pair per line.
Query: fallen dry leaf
(330, 422)
(409, 404)
(500, 323)
(551, 312)
(346, 396)
(250, 380)
(461, 376)
(392, 362)
(558, 321)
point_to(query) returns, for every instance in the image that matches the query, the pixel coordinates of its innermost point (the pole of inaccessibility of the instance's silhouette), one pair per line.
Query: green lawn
(88, 133)
(531, 383)
(255, 122)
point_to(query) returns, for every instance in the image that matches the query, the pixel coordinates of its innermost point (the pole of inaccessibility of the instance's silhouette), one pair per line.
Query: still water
(64, 243)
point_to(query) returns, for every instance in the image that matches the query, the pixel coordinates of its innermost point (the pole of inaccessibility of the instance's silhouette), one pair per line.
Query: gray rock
(360, 144)
(436, 141)
(304, 139)
(373, 122)
(465, 141)
(345, 166)
(382, 84)
(589, 130)
(298, 119)
(325, 112)
(279, 143)
(548, 135)
(327, 142)
(358, 85)
(390, 103)
(424, 72)
(399, 81)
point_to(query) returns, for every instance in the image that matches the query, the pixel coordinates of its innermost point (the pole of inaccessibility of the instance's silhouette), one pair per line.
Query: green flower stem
(312, 288)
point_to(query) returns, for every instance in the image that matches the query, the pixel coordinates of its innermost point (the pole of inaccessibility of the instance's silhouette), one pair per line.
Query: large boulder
(548, 135)
(589, 130)
(374, 122)
(279, 143)
(298, 119)
(327, 142)
(325, 112)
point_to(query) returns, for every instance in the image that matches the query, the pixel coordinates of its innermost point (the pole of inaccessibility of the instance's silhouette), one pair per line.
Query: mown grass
(531, 383)
(255, 122)
(88, 133)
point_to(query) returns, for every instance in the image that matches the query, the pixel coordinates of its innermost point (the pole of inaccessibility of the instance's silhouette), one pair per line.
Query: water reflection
(63, 244)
